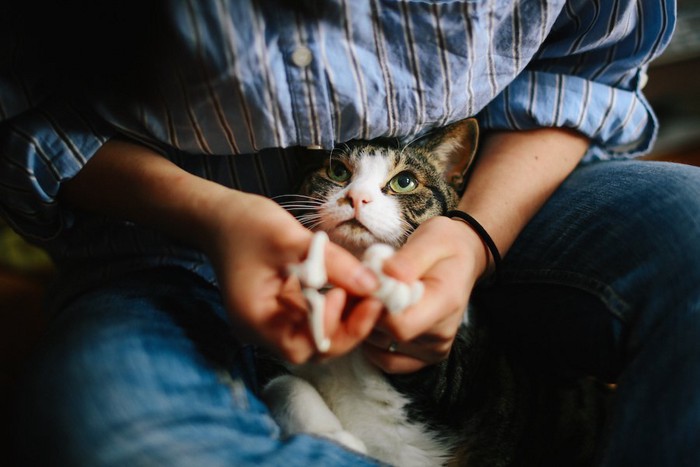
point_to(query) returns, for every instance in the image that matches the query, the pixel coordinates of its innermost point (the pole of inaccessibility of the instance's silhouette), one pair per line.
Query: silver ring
(392, 347)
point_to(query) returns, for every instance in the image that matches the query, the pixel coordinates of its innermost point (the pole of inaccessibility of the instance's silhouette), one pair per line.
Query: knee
(670, 224)
(658, 217)
(663, 248)
(63, 401)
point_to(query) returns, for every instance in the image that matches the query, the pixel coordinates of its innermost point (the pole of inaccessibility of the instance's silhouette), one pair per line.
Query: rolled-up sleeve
(588, 76)
(40, 148)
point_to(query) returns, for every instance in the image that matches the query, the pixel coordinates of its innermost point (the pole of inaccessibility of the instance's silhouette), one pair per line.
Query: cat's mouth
(353, 224)
(352, 235)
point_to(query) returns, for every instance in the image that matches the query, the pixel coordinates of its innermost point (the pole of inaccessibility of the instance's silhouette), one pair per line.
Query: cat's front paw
(348, 440)
(395, 295)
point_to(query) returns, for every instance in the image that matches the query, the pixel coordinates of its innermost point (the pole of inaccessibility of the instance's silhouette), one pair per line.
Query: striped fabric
(240, 78)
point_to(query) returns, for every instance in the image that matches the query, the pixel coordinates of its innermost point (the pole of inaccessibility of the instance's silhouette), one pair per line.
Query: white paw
(317, 304)
(312, 271)
(395, 295)
(312, 275)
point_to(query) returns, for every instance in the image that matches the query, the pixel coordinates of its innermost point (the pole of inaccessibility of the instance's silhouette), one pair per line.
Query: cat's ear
(454, 146)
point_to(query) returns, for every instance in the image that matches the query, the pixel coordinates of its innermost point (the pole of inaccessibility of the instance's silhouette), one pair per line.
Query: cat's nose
(358, 198)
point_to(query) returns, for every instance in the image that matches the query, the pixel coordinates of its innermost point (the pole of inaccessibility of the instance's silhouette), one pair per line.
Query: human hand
(251, 241)
(449, 258)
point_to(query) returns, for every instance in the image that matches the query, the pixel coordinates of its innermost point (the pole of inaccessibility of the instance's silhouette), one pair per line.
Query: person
(146, 166)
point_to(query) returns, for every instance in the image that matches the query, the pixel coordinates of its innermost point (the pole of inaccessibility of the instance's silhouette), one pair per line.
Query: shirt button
(302, 56)
(314, 147)
(643, 80)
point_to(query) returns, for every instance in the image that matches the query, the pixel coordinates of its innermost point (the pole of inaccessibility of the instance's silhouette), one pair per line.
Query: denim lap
(144, 371)
(606, 278)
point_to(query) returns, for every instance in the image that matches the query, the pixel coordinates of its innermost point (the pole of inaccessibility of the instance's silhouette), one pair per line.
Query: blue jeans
(144, 372)
(606, 278)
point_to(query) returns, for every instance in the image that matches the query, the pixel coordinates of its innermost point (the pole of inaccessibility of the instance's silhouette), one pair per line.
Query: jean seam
(612, 300)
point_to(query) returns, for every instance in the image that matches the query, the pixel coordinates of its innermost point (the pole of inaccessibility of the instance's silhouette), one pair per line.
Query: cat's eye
(338, 172)
(404, 182)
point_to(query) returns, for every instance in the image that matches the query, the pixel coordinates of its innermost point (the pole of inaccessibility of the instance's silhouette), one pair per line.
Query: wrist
(491, 251)
(228, 217)
(217, 216)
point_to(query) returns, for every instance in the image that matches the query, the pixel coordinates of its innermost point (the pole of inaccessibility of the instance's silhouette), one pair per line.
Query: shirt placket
(303, 69)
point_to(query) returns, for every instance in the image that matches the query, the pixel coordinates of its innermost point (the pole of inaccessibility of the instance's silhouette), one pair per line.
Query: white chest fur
(350, 401)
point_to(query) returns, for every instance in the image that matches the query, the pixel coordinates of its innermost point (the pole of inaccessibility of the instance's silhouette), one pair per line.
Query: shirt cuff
(42, 148)
(619, 122)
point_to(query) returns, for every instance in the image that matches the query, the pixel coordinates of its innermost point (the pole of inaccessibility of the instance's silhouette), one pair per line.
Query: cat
(481, 406)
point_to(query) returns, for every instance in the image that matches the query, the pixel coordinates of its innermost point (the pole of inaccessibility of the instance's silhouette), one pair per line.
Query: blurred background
(673, 90)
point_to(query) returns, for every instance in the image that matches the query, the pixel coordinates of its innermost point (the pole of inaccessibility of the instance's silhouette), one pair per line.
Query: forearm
(132, 183)
(515, 174)
(249, 239)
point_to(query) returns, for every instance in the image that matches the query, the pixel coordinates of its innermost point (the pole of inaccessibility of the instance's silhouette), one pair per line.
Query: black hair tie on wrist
(482, 233)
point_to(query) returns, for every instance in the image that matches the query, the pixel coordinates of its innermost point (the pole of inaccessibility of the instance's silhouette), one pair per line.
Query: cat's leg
(312, 274)
(395, 294)
(298, 408)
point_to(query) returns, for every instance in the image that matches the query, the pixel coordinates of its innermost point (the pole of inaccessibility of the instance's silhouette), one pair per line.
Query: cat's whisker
(310, 202)
(309, 220)
(300, 206)
(295, 197)
(310, 216)
(407, 229)
(303, 203)
(303, 200)
(307, 197)
(312, 226)
(286, 195)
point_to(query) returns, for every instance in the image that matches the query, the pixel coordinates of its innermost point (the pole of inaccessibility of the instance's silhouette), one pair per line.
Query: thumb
(347, 272)
(423, 249)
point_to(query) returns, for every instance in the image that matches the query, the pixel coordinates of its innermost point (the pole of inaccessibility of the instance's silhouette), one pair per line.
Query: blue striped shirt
(243, 83)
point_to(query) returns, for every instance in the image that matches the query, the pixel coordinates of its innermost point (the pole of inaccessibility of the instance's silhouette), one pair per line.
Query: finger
(346, 271)
(428, 348)
(393, 362)
(289, 337)
(356, 326)
(418, 254)
(291, 298)
(333, 303)
(379, 338)
(440, 309)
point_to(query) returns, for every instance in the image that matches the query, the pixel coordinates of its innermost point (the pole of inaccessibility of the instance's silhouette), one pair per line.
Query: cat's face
(367, 193)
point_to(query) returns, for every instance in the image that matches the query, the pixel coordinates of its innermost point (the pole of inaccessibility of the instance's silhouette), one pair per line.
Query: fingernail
(366, 280)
